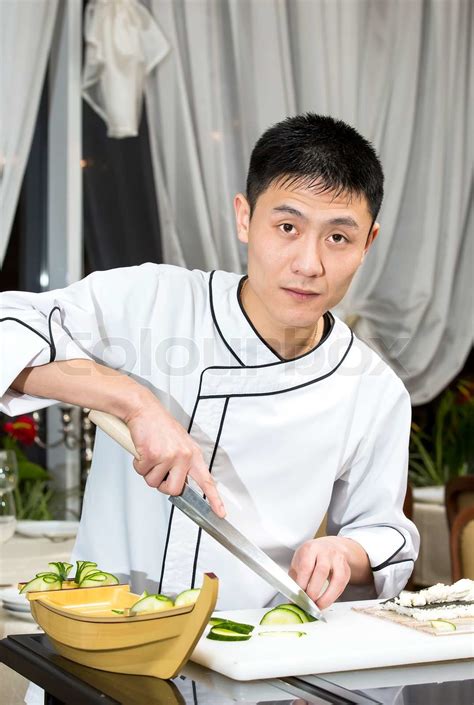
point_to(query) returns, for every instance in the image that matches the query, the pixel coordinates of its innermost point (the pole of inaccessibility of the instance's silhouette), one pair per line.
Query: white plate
(48, 529)
(11, 598)
(17, 614)
(14, 608)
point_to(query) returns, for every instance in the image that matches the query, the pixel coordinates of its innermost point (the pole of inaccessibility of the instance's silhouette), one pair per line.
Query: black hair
(316, 152)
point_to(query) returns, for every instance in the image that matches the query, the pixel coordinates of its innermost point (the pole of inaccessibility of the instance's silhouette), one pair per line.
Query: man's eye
(288, 228)
(339, 238)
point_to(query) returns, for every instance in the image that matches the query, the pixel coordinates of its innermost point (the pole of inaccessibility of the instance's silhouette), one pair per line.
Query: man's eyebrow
(341, 220)
(289, 209)
(344, 220)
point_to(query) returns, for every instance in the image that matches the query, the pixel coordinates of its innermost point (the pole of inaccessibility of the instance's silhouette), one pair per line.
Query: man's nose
(308, 260)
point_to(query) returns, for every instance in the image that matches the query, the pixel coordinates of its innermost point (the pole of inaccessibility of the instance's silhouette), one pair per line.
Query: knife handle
(115, 428)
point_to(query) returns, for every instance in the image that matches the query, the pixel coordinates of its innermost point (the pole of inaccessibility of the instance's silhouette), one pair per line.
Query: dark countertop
(69, 683)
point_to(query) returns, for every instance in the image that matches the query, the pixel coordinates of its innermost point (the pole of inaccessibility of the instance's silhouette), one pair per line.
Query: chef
(248, 384)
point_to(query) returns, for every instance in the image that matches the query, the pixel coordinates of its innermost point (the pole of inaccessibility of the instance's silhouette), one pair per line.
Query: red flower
(23, 429)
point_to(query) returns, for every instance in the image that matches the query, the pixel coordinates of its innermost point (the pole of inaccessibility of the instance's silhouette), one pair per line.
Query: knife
(199, 511)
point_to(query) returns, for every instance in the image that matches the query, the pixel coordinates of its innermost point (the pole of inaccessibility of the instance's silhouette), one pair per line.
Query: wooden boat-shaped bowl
(81, 625)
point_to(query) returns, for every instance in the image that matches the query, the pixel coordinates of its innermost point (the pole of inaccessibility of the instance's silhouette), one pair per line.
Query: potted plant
(442, 440)
(34, 494)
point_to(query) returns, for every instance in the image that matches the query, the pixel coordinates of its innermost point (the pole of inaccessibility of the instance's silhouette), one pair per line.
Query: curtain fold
(26, 31)
(123, 44)
(401, 73)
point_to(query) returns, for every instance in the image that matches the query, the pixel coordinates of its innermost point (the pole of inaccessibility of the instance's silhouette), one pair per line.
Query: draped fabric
(123, 44)
(401, 73)
(26, 31)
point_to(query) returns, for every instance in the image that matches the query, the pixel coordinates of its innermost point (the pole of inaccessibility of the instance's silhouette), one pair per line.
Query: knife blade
(194, 506)
(199, 511)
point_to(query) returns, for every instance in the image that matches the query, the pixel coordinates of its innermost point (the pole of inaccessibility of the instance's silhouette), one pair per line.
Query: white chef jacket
(286, 440)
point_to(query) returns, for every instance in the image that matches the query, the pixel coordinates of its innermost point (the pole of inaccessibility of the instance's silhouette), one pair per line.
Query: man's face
(303, 251)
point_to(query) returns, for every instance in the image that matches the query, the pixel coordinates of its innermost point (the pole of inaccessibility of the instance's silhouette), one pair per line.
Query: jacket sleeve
(97, 318)
(367, 500)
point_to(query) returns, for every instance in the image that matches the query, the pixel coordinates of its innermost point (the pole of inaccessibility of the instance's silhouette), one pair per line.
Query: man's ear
(242, 217)
(370, 239)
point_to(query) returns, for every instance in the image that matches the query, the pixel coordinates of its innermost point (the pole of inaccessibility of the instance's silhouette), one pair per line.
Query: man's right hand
(168, 454)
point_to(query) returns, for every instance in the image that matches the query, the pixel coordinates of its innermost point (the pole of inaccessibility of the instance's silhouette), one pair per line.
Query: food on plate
(187, 597)
(157, 603)
(46, 581)
(61, 569)
(83, 568)
(152, 603)
(286, 614)
(98, 578)
(88, 574)
(439, 602)
(283, 634)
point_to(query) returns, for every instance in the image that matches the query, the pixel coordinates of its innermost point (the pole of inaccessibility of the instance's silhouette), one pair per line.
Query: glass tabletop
(34, 657)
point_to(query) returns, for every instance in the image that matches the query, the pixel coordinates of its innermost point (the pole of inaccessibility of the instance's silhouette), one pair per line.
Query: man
(250, 378)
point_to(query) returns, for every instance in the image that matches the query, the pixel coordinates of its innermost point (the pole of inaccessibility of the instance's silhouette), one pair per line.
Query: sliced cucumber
(83, 568)
(280, 615)
(442, 625)
(99, 578)
(51, 581)
(220, 634)
(294, 608)
(283, 634)
(187, 597)
(152, 603)
(228, 624)
(61, 569)
(118, 611)
(214, 621)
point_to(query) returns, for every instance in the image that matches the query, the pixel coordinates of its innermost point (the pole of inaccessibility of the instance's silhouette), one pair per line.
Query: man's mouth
(301, 294)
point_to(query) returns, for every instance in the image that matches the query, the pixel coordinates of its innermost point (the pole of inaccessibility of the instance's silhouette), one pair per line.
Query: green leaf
(10, 443)
(31, 471)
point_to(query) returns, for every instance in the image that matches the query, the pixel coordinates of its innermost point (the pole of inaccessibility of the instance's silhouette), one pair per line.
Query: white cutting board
(348, 641)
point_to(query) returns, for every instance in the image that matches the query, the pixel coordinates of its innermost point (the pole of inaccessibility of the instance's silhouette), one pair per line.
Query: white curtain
(123, 44)
(26, 31)
(401, 72)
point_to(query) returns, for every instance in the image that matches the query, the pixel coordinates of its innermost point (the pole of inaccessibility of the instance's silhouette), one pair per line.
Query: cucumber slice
(281, 616)
(61, 569)
(214, 621)
(294, 608)
(283, 634)
(220, 634)
(83, 568)
(152, 603)
(187, 597)
(442, 625)
(51, 581)
(99, 578)
(118, 611)
(238, 627)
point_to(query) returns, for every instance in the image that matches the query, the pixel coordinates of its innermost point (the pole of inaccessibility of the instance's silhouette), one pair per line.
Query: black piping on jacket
(227, 397)
(50, 342)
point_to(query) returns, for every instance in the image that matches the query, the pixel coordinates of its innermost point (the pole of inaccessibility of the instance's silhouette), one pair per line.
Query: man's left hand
(335, 559)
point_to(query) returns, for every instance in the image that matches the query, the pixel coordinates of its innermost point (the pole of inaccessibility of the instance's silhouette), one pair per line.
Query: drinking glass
(8, 482)
(7, 516)
(8, 471)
